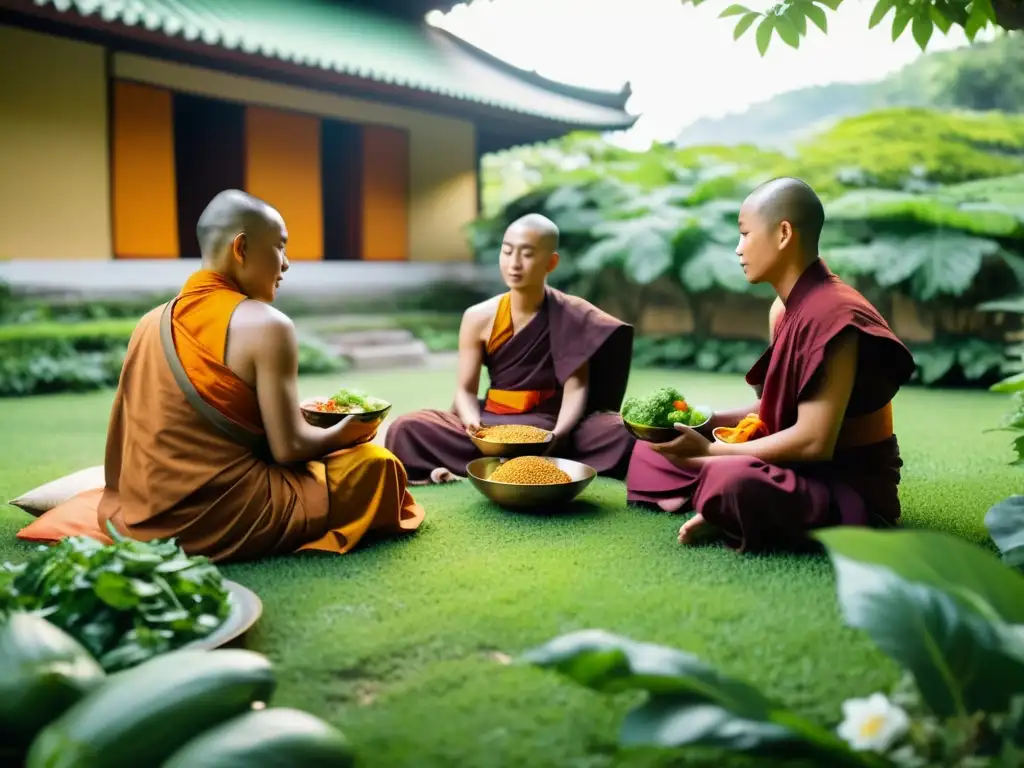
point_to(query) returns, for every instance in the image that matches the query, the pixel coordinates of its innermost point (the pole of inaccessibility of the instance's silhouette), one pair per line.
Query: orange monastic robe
(187, 455)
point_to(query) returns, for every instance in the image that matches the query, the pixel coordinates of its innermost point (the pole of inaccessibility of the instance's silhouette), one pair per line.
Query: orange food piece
(680, 405)
(750, 428)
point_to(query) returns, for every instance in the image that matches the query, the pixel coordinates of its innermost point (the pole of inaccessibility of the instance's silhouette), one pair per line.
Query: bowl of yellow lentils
(510, 440)
(529, 482)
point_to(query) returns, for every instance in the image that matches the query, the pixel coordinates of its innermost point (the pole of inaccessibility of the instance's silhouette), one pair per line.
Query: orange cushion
(75, 517)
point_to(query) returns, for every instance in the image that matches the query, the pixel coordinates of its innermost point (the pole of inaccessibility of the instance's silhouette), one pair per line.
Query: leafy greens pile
(664, 407)
(125, 602)
(356, 401)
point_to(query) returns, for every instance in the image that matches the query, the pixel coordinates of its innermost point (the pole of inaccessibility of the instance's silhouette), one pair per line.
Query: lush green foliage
(623, 241)
(945, 610)
(126, 602)
(37, 358)
(789, 19)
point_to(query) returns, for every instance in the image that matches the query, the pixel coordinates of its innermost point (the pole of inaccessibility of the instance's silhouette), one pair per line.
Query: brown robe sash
(256, 443)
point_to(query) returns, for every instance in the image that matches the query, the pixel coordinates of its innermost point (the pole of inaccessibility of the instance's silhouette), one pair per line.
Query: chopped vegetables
(664, 407)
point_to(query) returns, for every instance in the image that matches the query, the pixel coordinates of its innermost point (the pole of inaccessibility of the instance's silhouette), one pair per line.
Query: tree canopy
(788, 19)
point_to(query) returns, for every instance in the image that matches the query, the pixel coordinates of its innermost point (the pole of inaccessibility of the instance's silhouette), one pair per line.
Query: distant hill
(985, 76)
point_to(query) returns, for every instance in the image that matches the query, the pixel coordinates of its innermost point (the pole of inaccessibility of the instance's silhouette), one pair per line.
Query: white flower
(872, 724)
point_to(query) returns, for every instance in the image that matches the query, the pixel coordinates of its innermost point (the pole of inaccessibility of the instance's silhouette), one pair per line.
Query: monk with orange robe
(818, 448)
(554, 361)
(206, 442)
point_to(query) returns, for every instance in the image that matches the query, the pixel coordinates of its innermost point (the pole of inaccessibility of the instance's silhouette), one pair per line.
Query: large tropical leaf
(1005, 523)
(862, 259)
(941, 607)
(933, 211)
(936, 263)
(641, 247)
(713, 266)
(690, 704)
(1012, 304)
(934, 361)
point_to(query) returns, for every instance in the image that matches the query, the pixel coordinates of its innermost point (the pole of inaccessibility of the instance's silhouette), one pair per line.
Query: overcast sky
(681, 60)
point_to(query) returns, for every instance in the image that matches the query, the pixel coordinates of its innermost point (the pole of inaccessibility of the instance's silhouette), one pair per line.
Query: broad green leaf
(940, 19)
(795, 14)
(882, 7)
(764, 34)
(566, 198)
(937, 263)
(734, 10)
(602, 254)
(899, 22)
(1015, 305)
(940, 560)
(1012, 384)
(691, 703)
(744, 24)
(922, 29)
(1005, 523)
(853, 260)
(977, 357)
(939, 606)
(934, 362)
(713, 266)
(816, 15)
(787, 31)
(649, 257)
(833, 4)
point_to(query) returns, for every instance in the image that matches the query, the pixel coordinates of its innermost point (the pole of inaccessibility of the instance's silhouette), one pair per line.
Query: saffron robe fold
(179, 463)
(534, 364)
(759, 506)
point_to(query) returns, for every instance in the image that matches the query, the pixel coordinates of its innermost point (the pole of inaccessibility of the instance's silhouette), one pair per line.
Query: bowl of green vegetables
(653, 418)
(325, 412)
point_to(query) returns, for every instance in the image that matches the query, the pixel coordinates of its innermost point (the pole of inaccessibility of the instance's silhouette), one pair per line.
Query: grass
(397, 644)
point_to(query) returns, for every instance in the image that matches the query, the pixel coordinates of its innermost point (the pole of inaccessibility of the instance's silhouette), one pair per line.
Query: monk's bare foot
(671, 505)
(695, 530)
(441, 475)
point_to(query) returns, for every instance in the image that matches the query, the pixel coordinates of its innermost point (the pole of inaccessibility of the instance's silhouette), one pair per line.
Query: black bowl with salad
(328, 411)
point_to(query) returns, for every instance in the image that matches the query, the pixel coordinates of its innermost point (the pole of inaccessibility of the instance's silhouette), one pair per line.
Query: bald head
(544, 228)
(788, 199)
(231, 213)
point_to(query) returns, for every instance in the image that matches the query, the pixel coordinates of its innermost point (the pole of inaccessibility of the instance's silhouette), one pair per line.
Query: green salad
(355, 401)
(664, 408)
(125, 602)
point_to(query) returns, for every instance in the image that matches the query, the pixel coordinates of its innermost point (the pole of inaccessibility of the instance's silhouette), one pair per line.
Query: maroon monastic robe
(759, 506)
(566, 332)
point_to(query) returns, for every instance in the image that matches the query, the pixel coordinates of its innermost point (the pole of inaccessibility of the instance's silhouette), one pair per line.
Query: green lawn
(397, 643)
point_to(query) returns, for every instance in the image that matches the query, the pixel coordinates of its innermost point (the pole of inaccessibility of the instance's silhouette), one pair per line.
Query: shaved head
(789, 199)
(231, 213)
(540, 225)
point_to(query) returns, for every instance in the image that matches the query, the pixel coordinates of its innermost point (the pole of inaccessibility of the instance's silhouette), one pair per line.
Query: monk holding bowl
(206, 442)
(554, 361)
(823, 452)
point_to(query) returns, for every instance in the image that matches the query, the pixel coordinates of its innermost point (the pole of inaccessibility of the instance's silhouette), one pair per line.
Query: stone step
(410, 354)
(350, 340)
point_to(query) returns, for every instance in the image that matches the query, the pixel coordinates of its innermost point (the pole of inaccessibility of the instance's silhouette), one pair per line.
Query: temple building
(363, 126)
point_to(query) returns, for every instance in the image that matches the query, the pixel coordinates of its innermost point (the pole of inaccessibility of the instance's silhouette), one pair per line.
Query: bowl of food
(511, 440)
(652, 418)
(529, 482)
(325, 412)
(750, 428)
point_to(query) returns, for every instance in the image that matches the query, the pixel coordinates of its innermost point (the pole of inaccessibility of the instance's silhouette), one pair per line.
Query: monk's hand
(354, 431)
(690, 444)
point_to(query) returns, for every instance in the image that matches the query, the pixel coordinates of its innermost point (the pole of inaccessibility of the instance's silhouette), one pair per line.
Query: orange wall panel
(145, 196)
(385, 181)
(282, 166)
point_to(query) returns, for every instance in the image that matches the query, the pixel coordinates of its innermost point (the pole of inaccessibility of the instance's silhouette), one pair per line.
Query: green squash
(143, 714)
(43, 673)
(269, 738)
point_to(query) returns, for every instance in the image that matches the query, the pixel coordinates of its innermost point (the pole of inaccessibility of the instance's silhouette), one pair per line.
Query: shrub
(40, 358)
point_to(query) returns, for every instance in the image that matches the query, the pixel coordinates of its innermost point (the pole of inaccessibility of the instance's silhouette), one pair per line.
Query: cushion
(75, 517)
(46, 497)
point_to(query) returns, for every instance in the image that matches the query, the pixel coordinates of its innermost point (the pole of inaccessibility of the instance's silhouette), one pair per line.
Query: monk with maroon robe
(206, 441)
(824, 452)
(554, 361)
